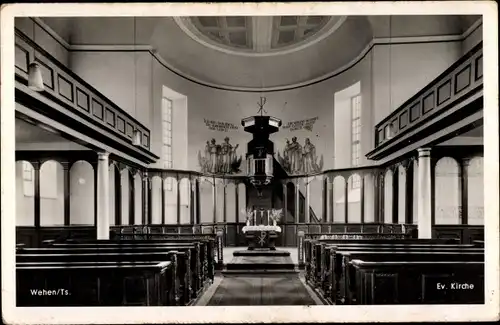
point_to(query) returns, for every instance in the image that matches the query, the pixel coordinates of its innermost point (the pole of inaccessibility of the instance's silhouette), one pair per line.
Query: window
(355, 137)
(167, 137)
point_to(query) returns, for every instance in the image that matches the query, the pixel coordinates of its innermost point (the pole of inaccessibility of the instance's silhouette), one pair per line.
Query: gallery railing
(458, 82)
(76, 95)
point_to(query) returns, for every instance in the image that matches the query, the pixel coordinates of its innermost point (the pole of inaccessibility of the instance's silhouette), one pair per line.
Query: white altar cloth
(261, 228)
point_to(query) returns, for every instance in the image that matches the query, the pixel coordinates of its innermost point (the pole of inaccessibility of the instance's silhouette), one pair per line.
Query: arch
(315, 195)
(447, 192)
(138, 207)
(339, 199)
(185, 200)
(388, 196)
(206, 201)
(401, 194)
(369, 197)
(354, 198)
(112, 194)
(230, 202)
(415, 192)
(52, 194)
(126, 187)
(156, 200)
(170, 200)
(290, 208)
(242, 202)
(81, 189)
(220, 200)
(25, 194)
(301, 183)
(475, 191)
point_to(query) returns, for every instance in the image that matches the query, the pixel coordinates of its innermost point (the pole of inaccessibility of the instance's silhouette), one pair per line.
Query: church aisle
(260, 290)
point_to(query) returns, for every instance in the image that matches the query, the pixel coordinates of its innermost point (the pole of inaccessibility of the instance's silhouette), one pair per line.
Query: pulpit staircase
(280, 173)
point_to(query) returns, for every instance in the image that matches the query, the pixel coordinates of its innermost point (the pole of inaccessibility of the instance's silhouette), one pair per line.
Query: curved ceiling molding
(187, 26)
(266, 70)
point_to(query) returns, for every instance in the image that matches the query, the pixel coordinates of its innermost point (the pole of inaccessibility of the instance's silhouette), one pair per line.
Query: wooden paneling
(448, 89)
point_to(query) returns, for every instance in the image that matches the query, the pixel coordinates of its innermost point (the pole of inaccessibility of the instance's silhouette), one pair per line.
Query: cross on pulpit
(261, 104)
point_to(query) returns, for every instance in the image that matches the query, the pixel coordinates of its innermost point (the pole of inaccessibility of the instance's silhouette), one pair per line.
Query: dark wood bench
(320, 261)
(343, 279)
(207, 248)
(186, 281)
(95, 284)
(419, 282)
(313, 249)
(202, 263)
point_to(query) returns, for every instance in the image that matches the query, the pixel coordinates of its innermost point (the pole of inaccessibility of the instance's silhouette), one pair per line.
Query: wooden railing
(455, 84)
(76, 95)
(232, 234)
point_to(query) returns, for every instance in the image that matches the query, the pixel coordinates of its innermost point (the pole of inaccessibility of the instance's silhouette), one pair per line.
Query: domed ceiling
(253, 53)
(260, 35)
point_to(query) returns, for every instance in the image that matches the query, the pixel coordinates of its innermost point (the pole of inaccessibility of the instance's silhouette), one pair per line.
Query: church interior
(249, 160)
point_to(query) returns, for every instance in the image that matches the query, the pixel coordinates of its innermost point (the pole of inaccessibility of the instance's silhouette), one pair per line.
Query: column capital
(102, 155)
(424, 152)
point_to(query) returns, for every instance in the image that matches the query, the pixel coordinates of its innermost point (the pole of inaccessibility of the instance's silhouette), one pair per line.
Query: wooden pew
(98, 284)
(207, 247)
(199, 259)
(343, 278)
(437, 282)
(313, 249)
(329, 260)
(319, 272)
(184, 292)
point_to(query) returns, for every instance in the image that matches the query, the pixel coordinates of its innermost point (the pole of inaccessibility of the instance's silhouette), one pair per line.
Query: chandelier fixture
(35, 78)
(260, 150)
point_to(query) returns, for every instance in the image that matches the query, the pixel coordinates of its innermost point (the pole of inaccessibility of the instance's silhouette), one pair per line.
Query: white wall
(42, 38)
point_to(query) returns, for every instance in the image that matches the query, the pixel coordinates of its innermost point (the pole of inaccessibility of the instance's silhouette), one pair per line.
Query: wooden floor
(258, 289)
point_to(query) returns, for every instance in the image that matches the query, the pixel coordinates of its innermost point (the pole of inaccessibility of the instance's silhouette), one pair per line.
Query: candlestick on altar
(268, 218)
(261, 216)
(254, 217)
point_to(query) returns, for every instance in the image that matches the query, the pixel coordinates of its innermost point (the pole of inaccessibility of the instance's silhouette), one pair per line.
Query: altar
(261, 229)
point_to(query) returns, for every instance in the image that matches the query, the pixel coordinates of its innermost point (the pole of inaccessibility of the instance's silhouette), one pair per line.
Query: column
(118, 196)
(66, 189)
(102, 195)
(424, 193)
(307, 210)
(346, 199)
(36, 196)
(297, 200)
(144, 199)
(162, 200)
(149, 200)
(178, 199)
(409, 193)
(329, 201)
(214, 201)
(395, 195)
(362, 198)
(192, 202)
(464, 189)
(237, 204)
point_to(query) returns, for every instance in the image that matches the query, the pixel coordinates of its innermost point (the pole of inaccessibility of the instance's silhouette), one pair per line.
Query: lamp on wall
(35, 78)
(136, 139)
